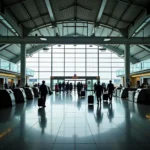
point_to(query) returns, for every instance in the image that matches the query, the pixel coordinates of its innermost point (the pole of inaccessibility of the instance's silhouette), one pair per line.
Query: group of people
(68, 87)
(100, 90)
(13, 86)
(63, 87)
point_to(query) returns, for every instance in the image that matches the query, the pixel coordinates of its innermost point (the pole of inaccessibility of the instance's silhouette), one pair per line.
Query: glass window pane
(45, 55)
(92, 73)
(44, 74)
(58, 74)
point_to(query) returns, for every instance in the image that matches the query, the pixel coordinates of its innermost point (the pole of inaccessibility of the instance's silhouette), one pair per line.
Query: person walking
(99, 92)
(79, 89)
(56, 88)
(60, 85)
(110, 88)
(67, 87)
(70, 87)
(43, 91)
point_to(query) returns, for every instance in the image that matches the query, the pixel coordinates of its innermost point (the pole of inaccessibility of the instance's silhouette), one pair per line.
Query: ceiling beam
(8, 16)
(49, 7)
(101, 10)
(73, 40)
(120, 52)
(11, 19)
(139, 24)
(29, 51)
(4, 46)
(99, 16)
(145, 47)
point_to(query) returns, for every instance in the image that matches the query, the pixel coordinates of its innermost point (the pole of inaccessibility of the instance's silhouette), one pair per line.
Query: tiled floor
(69, 123)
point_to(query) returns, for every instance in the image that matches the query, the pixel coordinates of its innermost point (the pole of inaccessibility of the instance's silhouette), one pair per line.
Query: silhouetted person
(63, 86)
(70, 87)
(59, 86)
(74, 86)
(6, 85)
(99, 92)
(95, 87)
(13, 86)
(110, 88)
(79, 87)
(26, 85)
(110, 112)
(67, 87)
(42, 119)
(56, 88)
(44, 92)
(120, 86)
(85, 87)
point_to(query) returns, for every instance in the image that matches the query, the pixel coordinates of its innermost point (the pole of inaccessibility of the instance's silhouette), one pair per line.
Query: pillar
(23, 65)
(127, 64)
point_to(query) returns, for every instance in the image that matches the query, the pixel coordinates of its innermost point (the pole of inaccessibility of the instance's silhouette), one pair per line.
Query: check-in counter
(131, 95)
(115, 91)
(124, 92)
(36, 91)
(20, 95)
(118, 92)
(29, 93)
(142, 96)
(7, 98)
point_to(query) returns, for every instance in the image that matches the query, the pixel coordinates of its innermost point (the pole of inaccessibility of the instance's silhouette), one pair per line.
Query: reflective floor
(69, 123)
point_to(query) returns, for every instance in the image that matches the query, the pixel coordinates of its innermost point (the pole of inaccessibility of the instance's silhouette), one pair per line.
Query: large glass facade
(82, 60)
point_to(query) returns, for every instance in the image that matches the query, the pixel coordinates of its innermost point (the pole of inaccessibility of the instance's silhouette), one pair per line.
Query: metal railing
(135, 68)
(8, 66)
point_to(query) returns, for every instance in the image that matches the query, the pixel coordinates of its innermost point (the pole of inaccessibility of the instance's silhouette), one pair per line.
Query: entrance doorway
(88, 80)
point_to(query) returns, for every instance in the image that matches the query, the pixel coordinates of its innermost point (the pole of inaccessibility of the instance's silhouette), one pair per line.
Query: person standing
(110, 88)
(43, 91)
(99, 92)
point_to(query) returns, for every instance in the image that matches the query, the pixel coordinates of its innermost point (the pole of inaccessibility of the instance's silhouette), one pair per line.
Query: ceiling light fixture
(43, 39)
(107, 39)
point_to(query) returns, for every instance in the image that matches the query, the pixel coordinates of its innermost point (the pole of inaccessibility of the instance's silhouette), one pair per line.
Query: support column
(23, 65)
(127, 64)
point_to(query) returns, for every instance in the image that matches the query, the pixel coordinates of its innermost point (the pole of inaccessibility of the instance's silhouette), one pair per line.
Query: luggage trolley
(105, 97)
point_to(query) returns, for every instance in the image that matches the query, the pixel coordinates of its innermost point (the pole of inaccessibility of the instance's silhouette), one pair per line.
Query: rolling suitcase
(90, 99)
(40, 102)
(82, 93)
(105, 97)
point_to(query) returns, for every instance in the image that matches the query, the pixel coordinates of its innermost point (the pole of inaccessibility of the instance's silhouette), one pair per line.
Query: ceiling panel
(131, 13)
(141, 55)
(7, 54)
(120, 9)
(110, 6)
(14, 48)
(31, 8)
(41, 6)
(122, 25)
(135, 49)
(19, 12)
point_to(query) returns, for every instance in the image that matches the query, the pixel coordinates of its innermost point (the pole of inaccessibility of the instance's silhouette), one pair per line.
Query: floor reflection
(42, 119)
(68, 120)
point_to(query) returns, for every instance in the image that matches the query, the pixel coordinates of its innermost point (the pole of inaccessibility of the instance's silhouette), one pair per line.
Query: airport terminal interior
(70, 51)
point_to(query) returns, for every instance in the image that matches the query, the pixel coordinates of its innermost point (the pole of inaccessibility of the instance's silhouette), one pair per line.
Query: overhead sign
(32, 80)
